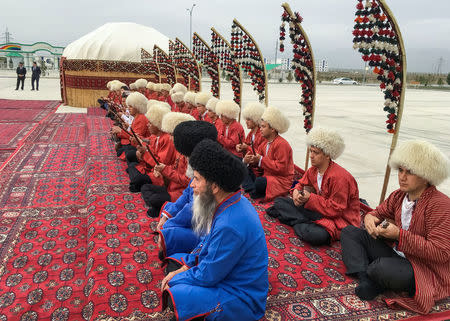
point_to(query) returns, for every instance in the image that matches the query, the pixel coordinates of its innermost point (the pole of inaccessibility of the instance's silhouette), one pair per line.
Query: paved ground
(356, 111)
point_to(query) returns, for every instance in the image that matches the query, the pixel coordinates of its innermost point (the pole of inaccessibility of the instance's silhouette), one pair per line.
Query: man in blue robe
(225, 277)
(174, 227)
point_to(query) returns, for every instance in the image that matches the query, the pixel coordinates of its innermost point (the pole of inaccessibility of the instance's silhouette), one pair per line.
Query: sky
(425, 25)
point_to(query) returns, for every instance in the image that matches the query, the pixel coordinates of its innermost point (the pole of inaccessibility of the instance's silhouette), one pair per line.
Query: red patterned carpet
(76, 245)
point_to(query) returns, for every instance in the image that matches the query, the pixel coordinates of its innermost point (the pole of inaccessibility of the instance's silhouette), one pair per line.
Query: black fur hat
(217, 165)
(189, 133)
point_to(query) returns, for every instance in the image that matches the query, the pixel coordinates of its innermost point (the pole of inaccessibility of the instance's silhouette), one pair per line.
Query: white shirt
(319, 181)
(407, 211)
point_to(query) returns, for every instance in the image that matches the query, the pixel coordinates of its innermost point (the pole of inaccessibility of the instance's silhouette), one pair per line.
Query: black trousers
(125, 149)
(154, 196)
(256, 186)
(20, 80)
(301, 219)
(173, 266)
(33, 79)
(362, 253)
(137, 179)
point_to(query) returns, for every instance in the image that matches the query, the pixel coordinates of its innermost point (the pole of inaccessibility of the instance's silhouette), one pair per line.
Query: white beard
(189, 171)
(203, 211)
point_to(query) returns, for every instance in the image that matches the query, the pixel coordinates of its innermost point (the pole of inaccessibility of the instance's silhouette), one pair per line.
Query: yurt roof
(119, 41)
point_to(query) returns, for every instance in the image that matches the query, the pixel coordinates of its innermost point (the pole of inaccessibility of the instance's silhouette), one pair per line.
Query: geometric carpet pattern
(75, 244)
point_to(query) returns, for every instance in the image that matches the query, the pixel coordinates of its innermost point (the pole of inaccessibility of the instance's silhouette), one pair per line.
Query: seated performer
(212, 116)
(273, 157)
(161, 147)
(178, 100)
(231, 133)
(175, 223)
(405, 246)
(165, 97)
(189, 104)
(137, 106)
(326, 199)
(201, 99)
(174, 175)
(133, 87)
(252, 114)
(225, 277)
(141, 85)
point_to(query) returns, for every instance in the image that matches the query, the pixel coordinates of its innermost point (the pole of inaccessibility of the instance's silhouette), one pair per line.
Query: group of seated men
(189, 157)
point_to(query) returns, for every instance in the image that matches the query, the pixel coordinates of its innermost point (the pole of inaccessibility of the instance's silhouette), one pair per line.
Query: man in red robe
(141, 85)
(189, 104)
(405, 246)
(252, 114)
(160, 145)
(231, 133)
(212, 116)
(174, 175)
(201, 99)
(326, 199)
(273, 157)
(137, 105)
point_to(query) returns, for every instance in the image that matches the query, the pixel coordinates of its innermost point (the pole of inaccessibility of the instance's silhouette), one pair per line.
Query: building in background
(12, 53)
(322, 65)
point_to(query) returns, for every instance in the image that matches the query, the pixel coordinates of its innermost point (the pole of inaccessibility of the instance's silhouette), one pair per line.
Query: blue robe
(227, 277)
(176, 234)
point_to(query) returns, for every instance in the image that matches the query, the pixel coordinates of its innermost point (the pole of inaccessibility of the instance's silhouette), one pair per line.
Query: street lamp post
(190, 25)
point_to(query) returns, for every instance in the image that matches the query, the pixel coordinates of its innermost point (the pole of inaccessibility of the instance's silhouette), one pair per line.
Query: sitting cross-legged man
(252, 114)
(201, 99)
(189, 104)
(405, 246)
(175, 226)
(212, 116)
(174, 175)
(161, 147)
(225, 277)
(137, 106)
(232, 132)
(273, 157)
(326, 199)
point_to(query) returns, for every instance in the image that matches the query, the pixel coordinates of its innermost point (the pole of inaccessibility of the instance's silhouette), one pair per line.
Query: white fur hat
(276, 119)
(202, 98)
(132, 86)
(179, 88)
(108, 84)
(227, 108)
(211, 104)
(328, 140)
(422, 159)
(172, 119)
(138, 101)
(150, 85)
(253, 111)
(157, 87)
(189, 97)
(116, 85)
(177, 97)
(155, 114)
(141, 83)
(166, 87)
(152, 102)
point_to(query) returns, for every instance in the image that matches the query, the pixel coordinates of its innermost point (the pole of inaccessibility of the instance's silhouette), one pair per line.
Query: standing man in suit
(21, 72)
(36, 74)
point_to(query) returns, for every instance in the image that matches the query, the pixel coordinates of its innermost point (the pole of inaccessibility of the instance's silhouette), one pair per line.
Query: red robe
(164, 151)
(257, 141)
(194, 113)
(218, 123)
(426, 245)
(175, 174)
(231, 135)
(154, 95)
(278, 166)
(205, 117)
(139, 126)
(170, 102)
(338, 200)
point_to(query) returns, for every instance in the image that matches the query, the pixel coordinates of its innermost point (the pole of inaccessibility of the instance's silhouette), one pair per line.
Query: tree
(440, 82)
(448, 79)
(290, 77)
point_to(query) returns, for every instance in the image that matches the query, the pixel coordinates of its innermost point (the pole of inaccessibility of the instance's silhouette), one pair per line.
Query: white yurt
(112, 51)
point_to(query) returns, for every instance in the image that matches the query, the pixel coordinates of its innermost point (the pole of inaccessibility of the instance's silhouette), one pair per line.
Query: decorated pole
(247, 54)
(165, 64)
(152, 65)
(222, 51)
(206, 56)
(303, 65)
(187, 65)
(379, 40)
